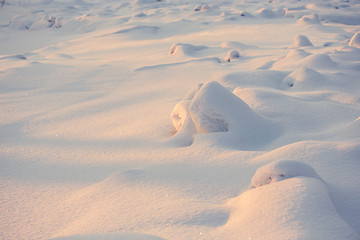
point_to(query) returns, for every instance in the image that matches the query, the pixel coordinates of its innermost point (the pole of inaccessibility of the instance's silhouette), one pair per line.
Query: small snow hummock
(301, 41)
(269, 13)
(304, 78)
(319, 61)
(201, 7)
(355, 40)
(232, 55)
(185, 49)
(310, 19)
(281, 170)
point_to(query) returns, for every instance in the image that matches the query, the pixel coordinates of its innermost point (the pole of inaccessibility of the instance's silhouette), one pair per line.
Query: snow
(281, 170)
(212, 110)
(301, 41)
(355, 40)
(297, 208)
(153, 119)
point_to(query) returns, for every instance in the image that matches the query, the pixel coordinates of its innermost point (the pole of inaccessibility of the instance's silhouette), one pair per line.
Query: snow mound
(355, 40)
(232, 55)
(184, 125)
(304, 78)
(319, 61)
(301, 41)
(291, 60)
(281, 170)
(309, 19)
(297, 208)
(185, 49)
(269, 13)
(212, 108)
(201, 7)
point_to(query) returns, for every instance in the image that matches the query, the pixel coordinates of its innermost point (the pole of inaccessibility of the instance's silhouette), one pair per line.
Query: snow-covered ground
(172, 119)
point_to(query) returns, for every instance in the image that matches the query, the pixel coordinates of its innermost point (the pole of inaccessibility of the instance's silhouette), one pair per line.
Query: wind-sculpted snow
(185, 49)
(304, 78)
(291, 196)
(312, 19)
(281, 170)
(212, 108)
(269, 13)
(149, 119)
(355, 40)
(291, 60)
(232, 55)
(319, 61)
(296, 208)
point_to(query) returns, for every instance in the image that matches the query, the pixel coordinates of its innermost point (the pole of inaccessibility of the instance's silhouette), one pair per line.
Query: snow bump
(301, 41)
(281, 170)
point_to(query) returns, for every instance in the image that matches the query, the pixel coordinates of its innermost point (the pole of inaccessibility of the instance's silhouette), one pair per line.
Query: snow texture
(150, 119)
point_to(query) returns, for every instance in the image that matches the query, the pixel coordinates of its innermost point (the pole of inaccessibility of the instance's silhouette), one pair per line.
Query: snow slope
(170, 119)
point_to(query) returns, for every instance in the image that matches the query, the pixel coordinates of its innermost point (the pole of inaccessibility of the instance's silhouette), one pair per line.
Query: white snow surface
(150, 119)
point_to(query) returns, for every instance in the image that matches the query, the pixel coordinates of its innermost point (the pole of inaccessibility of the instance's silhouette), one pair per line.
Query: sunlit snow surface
(172, 119)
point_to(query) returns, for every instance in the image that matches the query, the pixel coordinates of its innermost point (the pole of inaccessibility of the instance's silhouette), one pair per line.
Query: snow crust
(155, 119)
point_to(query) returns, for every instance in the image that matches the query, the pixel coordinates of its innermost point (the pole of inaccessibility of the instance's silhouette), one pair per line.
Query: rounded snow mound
(211, 108)
(201, 7)
(355, 40)
(301, 41)
(232, 55)
(269, 13)
(304, 78)
(185, 49)
(291, 60)
(309, 19)
(319, 61)
(281, 170)
(298, 208)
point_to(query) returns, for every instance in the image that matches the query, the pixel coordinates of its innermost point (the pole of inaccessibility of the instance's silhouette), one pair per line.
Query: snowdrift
(286, 195)
(296, 208)
(263, 99)
(211, 108)
(281, 170)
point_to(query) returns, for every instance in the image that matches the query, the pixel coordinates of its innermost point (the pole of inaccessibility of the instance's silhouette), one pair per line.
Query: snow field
(149, 119)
